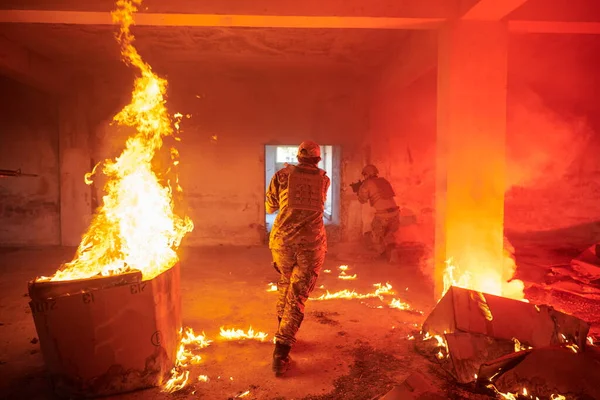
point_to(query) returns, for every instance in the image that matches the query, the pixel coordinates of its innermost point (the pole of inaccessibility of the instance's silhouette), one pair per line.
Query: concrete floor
(347, 349)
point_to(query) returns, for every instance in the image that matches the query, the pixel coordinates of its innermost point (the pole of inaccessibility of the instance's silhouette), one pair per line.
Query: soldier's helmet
(370, 170)
(309, 149)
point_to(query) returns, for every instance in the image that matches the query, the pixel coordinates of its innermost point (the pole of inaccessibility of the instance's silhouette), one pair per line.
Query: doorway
(277, 156)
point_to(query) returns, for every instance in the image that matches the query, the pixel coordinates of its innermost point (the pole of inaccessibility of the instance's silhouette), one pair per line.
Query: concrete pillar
(75, 162)
(471, 131)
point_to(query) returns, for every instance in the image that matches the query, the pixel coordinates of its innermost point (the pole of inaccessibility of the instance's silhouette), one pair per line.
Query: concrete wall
(552, 139)
(29, 206)
(222, 149)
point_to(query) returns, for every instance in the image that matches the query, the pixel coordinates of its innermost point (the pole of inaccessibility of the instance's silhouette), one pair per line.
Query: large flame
(137, 227)
(485, 278)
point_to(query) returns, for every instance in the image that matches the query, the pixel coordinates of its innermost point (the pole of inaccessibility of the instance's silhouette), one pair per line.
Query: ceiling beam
(29, 68)
(272, 21)
(348, 8)
(211, 20)
(491, 10)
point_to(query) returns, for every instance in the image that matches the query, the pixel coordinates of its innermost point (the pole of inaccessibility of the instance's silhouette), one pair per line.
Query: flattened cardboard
(111, 340)
(537, 326)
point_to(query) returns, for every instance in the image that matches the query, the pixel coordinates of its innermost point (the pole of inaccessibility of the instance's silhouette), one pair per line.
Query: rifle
(356, 185)
(16, 173)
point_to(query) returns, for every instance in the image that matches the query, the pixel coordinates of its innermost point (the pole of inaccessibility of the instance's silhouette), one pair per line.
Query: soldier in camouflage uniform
(380, 195)
(298, 243)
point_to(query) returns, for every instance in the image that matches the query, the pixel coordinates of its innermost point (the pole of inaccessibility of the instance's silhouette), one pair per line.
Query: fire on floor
(110, 320)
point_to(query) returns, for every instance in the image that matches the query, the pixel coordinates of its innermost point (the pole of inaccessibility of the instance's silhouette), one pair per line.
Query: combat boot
(281, 359)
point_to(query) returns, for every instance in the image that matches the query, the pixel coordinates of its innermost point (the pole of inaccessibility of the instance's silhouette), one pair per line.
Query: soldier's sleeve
(272, 197)
(363, 193)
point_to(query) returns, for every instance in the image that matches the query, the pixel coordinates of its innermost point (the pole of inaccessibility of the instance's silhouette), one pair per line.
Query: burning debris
(511, 348)
(123, 284)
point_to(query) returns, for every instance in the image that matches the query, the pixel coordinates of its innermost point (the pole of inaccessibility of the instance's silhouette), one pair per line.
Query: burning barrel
(110, 334)
(103, 329)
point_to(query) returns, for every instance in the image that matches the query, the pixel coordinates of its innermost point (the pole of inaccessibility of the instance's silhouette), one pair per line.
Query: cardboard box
(463, 310)
(110, 338)
(480, 327)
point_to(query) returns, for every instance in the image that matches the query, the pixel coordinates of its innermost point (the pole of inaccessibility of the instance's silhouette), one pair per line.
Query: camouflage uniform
(380, 195)
(297, 242)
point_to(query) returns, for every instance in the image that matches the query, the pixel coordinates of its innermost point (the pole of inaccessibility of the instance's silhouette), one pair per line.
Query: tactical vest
(382, 189)
(305, 189)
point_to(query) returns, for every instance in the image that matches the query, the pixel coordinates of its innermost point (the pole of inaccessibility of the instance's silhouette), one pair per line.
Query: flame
(177, 382)
(590, 340)
(351, 294)
(441, 345)
(520, 346)
(272, 287)
(327, 271)
(343, 276)
(237, 334)
(180, 373)
(203, 378)
(484, 280)
(396, 303)
(136, 228)
(573, 347)
(524, 392)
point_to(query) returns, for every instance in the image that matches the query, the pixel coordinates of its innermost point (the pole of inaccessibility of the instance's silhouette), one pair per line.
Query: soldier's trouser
(299, 271)
(384, 228)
